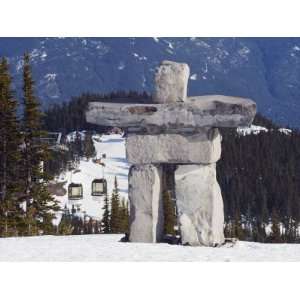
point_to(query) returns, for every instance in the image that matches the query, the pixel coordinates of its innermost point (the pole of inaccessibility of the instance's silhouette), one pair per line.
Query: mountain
(264, 69)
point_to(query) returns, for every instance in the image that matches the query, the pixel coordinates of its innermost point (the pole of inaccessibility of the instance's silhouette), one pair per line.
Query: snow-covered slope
(255, 129)
(113, 146)
(106, 247)
(252, 129)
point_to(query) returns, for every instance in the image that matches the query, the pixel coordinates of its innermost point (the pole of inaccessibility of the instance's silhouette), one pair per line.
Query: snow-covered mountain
(265, 69)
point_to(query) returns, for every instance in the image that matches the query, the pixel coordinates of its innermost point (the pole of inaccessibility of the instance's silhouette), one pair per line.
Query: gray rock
(200, 205)
(203, 147)
(145, 197)
(171, 80)
(189, 116)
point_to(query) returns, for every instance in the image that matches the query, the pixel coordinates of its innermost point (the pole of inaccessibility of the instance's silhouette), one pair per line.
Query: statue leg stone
(200, 205)
(146, 208)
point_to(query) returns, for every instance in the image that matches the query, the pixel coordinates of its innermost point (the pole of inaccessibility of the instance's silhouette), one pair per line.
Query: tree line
(26, 206)
(69, 116)
(115, 218)
(259, 177)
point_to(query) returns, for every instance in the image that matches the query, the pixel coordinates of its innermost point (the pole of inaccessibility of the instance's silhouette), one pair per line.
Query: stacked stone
(198, 197)
(180, 131)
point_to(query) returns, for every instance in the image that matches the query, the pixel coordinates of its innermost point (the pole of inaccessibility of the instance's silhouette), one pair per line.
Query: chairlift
(99, 187)
(75, 191)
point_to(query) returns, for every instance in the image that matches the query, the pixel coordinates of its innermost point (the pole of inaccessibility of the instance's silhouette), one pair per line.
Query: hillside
(113, 146)
(264, 69)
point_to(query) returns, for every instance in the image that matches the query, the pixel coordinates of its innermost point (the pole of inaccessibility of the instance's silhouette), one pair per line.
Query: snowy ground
(115, 165)
(108, 248)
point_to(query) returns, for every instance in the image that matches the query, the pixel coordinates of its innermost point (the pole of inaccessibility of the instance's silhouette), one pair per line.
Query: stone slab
(204, 147)
(146, 208)
(171, 80)
(200, 205)
(196, 112)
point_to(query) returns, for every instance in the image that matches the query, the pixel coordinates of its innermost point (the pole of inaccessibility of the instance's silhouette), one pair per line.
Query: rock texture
(195, 113)
(200, 205)
(146, 211)
(175, 132)
(203, 147)
(171, 80)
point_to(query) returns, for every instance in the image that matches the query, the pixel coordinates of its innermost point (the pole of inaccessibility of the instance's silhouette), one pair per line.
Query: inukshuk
(180, 131)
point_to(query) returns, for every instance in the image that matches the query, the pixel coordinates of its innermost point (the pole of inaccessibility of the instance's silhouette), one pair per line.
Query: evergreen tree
(88, 146)
(276, 234)
(40, 205)
(65, 226)
(115, 209)
(169, 213)
(10, 142)
(106, 216)
(97, 227)
(78, 147)
(124, 217)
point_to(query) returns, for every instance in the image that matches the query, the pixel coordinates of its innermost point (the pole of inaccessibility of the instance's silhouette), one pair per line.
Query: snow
(71, 137)
(202, 44)
(244, 51)
(285, 131)
(19, 65)
(169, 51)
(170, 45)
(115, 165)
(253, 129)
(43, 55)
(106, 247)
(296, 48)
(121, 65)
(50, 76)
(156, 39)
(139, 56)
(34, 53)
(193, 77)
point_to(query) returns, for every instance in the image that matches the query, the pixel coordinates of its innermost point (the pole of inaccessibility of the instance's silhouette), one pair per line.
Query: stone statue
(183, 132)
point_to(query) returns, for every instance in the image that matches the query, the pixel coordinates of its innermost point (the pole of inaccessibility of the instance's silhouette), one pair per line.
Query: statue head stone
(171, 80)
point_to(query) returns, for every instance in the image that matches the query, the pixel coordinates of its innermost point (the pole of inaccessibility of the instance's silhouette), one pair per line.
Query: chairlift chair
(75, 191)
(99, 187)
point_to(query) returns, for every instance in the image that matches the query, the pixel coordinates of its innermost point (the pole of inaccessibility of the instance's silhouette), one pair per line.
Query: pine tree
(40, 205)
(276, 234)
(88, 146)
(106, 216)
(78, 147)
(238, 228)
(169, 213)
(124, 217)
(115, 209)
(10, 142)
(65, 226)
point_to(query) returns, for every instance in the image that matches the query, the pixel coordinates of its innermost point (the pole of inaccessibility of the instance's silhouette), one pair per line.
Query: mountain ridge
(264, 69)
